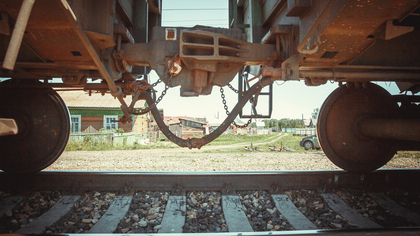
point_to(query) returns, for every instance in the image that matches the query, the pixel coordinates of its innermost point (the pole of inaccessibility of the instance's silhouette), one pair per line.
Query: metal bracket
(128, 188)
(290, 68)
(228, 189)
(243, 86)
(276, 189)
(178, 190)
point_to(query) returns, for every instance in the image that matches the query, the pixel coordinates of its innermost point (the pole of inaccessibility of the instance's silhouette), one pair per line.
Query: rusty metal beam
(314, 26)
(377, 75)
(402, 129)
(57, 65)
(350, 73)
(91, 50)
(17, 35)
(115, 91)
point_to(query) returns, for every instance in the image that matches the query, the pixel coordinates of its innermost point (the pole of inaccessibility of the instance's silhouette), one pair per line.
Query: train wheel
(43, 128)
(338, 130)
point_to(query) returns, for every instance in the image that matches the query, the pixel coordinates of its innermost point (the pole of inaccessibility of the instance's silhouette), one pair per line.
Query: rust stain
(392, 7)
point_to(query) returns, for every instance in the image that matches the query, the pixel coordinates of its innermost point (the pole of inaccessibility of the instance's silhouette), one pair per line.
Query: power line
(194, 20)
(195, 9)
(187, 25)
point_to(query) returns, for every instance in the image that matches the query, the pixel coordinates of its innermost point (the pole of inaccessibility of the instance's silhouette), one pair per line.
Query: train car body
(352, 42)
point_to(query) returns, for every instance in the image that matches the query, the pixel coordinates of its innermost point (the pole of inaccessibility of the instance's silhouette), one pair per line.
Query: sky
(292, 99)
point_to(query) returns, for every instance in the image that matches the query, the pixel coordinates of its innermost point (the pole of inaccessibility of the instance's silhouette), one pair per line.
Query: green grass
(228, 139)
(89, 144)
(92, 145)
(289, 141)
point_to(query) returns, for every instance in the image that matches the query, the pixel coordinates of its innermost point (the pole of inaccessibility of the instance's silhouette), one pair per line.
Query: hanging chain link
(156, 83)
(227, 111)
(234, 90)
(141, 111)
(167, 72)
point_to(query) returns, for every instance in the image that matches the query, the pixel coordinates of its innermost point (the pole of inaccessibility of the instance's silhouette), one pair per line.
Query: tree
(273, 123)
(266, 123)
(315, 113)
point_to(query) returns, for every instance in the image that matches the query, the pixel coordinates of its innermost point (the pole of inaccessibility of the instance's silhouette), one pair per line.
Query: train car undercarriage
(353, 42)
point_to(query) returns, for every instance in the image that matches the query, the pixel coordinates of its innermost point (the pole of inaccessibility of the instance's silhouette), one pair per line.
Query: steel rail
(228, 182)
(353, 232)
(272, 181)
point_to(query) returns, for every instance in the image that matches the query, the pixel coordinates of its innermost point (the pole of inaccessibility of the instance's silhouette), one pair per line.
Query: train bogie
(351, 42)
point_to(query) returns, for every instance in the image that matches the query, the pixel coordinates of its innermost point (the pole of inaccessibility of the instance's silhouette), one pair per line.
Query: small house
(186, 127)
(238, 130)
(100, 112)
(309, 123)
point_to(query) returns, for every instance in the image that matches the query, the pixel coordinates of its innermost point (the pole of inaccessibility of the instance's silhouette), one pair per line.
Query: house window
(75, 123)
(109, 122)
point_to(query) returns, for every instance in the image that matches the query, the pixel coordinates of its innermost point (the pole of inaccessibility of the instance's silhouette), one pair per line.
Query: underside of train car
(352, 42)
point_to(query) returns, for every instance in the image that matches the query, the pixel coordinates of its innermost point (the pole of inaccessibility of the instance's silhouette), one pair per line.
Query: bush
(120, 131)
(87, 139)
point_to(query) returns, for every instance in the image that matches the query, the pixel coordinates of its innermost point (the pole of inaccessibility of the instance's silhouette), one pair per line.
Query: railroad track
(248, 203)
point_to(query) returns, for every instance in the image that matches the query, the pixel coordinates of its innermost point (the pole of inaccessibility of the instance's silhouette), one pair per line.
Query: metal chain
(142, 111)
(157, 82)
(227, 111)
(234, 90)
(161, 95)
(146, 110)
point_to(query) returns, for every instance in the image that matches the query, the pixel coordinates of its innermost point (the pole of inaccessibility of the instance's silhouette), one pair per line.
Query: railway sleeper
(207, 211)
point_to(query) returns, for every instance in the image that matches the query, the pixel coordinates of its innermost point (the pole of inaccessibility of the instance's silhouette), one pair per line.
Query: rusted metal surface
(273, 181)
(315, 41)
(402, 129)
(350, 73)
(338, 131)
(43, 128)
(53, 38)
(313, 47)
(208, 56)
(17, 35)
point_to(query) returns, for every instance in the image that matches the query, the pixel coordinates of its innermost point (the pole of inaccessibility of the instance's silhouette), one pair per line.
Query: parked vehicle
(310, 142)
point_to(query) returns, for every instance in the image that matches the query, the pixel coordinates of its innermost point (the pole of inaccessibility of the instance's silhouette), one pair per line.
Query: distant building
(100, 112)
(309, 123)
(239, 130)
(186, 127)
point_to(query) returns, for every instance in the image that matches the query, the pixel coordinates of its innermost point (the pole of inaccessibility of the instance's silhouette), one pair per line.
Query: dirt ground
(209, 158)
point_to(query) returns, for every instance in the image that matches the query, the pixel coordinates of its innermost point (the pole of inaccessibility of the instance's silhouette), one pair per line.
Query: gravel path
(187, 160)
(206, 159)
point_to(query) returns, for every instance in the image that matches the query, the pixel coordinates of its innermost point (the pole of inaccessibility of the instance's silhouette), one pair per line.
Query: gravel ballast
(204, 213)
(32, 206)
(182, 159)
(145, 213)
(261, 212)
(85, 214)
